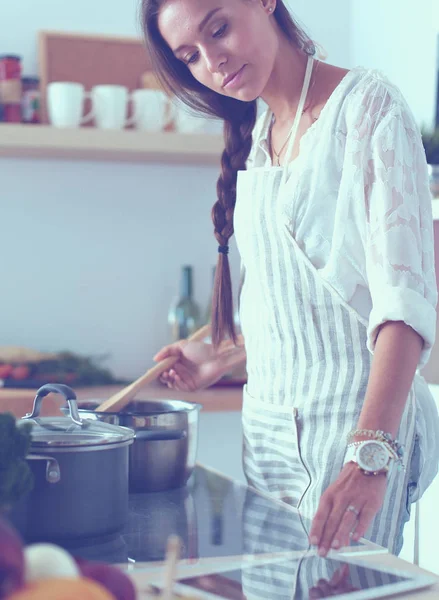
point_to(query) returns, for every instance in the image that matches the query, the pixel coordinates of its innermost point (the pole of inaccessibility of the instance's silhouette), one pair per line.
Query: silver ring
(354, 510)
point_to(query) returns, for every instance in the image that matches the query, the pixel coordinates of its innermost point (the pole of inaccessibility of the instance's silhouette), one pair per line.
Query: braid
(238, 138)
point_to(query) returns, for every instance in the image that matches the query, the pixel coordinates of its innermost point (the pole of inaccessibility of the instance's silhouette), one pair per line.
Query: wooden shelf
(87, 143)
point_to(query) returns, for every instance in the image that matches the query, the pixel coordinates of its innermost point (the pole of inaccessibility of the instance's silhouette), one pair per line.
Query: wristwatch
(372, 456)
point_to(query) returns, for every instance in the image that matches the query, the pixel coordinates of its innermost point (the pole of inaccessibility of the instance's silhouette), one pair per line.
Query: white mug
(110, 105)
(150, 110)
(65, 104)
(190, 122)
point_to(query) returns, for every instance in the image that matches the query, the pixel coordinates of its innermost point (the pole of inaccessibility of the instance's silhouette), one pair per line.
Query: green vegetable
(84, 370)
(16, 478)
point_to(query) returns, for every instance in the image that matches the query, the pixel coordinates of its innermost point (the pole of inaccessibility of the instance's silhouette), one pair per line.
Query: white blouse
(361, 208)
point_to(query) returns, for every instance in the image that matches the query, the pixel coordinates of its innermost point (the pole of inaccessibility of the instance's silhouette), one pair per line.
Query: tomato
(5, 371)
(70, 377)
(20, 372)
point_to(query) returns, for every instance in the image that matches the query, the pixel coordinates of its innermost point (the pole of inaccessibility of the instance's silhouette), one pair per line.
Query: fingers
(165, 378)
(178, 379)
(339, 584)
(175, 349)
(342, 521)
(332, 524)
(319, 521)
(321, 590)
(166, 352)
(168, 377)
(366, 516)
(184, 377)
(347, 506)
(340, 575)
(347, 524)
(315, 593)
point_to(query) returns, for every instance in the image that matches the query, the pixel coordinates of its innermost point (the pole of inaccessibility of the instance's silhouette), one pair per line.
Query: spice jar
(10, 87)
(30, 100)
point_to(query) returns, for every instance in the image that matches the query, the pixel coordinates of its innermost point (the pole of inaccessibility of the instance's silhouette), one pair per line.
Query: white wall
(328, 24)
(400, 37)
(92, 252)
(110, 237)
(21, 21)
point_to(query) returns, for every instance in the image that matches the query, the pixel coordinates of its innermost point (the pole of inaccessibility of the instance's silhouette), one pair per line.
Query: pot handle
(53, 472)
(56, 388)
(157, 435)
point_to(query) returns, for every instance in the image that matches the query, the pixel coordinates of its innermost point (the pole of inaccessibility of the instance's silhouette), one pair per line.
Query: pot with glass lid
(80, 469)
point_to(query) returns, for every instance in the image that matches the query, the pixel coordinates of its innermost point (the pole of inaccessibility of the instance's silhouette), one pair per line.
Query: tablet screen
(307, 578)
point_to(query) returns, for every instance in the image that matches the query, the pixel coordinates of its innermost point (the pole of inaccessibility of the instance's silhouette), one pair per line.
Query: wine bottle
(208, 314)
(184, 314)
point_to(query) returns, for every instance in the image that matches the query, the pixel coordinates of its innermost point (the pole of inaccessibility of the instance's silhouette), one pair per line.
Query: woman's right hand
(198, 366)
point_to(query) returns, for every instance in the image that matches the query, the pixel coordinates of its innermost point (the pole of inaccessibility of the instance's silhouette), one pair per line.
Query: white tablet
(300, 579)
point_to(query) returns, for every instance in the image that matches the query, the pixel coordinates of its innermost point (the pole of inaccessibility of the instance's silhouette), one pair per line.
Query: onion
(44, 561)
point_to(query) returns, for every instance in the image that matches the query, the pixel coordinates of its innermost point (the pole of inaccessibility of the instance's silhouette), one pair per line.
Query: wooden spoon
(173, 551)
(120, 399)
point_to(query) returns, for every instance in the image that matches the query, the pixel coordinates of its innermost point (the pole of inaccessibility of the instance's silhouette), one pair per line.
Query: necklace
(273, 120)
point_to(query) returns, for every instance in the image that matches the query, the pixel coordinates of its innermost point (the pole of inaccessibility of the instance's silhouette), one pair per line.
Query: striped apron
(307, 361)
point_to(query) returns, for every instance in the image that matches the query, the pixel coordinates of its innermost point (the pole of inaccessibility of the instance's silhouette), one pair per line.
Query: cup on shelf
(150, 110)
(190, 122)
(110, 106)
(65, 104)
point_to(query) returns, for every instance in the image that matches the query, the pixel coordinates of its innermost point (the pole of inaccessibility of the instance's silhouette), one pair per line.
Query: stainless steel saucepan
(164, 452)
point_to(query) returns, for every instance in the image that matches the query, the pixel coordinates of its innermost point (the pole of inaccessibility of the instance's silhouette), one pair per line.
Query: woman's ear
(269, 6)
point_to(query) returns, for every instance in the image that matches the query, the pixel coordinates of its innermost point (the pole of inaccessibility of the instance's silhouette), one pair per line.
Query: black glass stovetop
(213, 515)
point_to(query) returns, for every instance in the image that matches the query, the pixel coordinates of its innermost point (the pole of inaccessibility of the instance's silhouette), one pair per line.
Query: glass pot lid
(71, 431)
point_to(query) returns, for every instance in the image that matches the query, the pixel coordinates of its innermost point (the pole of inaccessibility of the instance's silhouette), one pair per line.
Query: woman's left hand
(347, 506)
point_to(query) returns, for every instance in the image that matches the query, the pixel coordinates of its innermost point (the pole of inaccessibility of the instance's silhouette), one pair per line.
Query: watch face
(372, 456)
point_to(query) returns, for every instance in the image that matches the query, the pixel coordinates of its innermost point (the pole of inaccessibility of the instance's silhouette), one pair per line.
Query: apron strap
(297, 118)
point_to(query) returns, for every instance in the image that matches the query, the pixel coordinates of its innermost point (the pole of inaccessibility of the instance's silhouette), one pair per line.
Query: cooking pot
(80, 469)
(166, 436)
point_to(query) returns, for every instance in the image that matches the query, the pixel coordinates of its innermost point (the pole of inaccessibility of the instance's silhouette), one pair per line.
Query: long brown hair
(239, 119)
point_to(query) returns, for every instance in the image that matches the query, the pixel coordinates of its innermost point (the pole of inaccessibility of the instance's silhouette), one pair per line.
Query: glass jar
(10, 66)
(10, 87)
(30, 100)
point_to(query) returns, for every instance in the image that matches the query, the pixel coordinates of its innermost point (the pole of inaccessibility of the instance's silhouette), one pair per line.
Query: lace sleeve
(399, 241)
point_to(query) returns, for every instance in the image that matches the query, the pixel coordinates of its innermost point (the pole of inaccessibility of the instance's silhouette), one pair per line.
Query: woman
(334, 227)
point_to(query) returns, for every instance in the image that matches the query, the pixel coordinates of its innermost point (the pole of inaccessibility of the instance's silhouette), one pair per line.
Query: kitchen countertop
(226, 526)
(237, 541)
(215, 399)
(220, 521)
